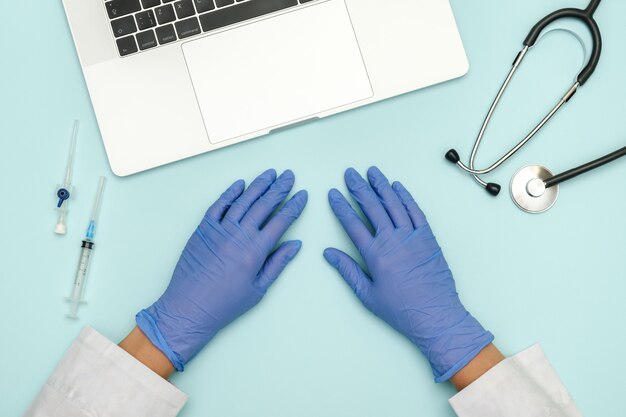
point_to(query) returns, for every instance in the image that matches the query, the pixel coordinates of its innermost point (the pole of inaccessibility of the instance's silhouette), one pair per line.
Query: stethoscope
(534, 188)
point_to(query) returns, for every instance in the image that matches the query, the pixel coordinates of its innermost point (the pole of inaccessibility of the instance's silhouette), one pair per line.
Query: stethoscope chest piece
(529, 192)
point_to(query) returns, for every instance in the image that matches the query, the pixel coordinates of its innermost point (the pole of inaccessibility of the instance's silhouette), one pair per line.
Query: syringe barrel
(78, 288)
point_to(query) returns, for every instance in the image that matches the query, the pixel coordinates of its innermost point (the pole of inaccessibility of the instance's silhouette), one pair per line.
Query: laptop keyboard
(139, 25)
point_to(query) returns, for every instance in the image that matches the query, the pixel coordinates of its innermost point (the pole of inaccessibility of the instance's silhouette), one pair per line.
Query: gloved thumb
(276, 263)
(350, 271)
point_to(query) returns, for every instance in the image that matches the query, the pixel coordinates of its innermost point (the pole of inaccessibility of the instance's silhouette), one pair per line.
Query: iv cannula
(65, 189)
(70, 158)
(78, 287)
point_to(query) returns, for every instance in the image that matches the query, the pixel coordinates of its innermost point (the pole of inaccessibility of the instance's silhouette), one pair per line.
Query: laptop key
(204, 5)
(119, 8)
(242, 11)
(222, 3)
(124, 26)
(184, 9)
(146, 40)
(165, 14)
(187, 28)
(126, 45)
(147, 4)
(166, 34)
(145, 20)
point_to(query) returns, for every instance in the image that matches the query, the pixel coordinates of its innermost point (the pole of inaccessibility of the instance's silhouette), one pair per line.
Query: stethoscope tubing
(574, 172)
(586, 16)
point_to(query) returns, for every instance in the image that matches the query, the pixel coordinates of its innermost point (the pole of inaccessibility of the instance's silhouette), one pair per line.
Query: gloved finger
(368, 200)
(350, 271)
(219, 208)
(278, 225)
(256, 189)
(415, 213)
(267, 203)
(351, 222)
(276, 263)
(388, 198)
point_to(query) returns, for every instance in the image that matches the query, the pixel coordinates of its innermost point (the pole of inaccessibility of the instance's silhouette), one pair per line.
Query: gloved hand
(409, 284)
(226, 267)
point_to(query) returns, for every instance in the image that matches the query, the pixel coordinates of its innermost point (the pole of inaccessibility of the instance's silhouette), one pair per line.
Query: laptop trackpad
(277, 71)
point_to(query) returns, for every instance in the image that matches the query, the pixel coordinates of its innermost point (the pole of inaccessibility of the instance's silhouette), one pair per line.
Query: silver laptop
(172, 79)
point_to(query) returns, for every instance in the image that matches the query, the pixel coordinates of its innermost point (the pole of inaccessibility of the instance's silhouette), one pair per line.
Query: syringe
(64, 190)
(78, 288)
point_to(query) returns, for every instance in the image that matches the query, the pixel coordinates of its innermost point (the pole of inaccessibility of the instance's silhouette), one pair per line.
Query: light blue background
(309, 348)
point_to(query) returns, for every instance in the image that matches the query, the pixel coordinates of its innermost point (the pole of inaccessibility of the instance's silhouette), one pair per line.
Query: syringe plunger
(78, 287)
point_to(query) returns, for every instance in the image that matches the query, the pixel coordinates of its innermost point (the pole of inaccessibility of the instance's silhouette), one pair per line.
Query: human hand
(226, 267)
(409, 284)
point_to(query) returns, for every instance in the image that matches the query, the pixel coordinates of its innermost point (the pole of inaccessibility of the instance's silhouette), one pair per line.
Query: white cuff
(97, 377)
(524, 385)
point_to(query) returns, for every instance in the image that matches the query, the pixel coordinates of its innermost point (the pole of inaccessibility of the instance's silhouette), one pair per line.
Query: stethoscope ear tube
(492, 188)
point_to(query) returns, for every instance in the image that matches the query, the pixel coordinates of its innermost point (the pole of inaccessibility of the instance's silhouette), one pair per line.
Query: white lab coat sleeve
(98, 378)
(524, 385)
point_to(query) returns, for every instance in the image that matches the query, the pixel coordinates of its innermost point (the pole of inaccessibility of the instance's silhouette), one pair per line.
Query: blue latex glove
(409, 284)
(226, 267)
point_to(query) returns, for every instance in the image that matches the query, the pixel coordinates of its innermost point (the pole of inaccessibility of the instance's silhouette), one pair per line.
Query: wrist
(161, 333)
(486, 359)
(450, 349)
(140, 347)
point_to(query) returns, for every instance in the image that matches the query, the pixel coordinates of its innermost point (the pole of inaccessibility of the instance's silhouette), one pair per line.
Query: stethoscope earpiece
(493, 188)
(453, 156)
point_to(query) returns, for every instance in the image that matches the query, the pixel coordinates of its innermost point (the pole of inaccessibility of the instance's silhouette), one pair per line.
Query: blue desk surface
(309, 348)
